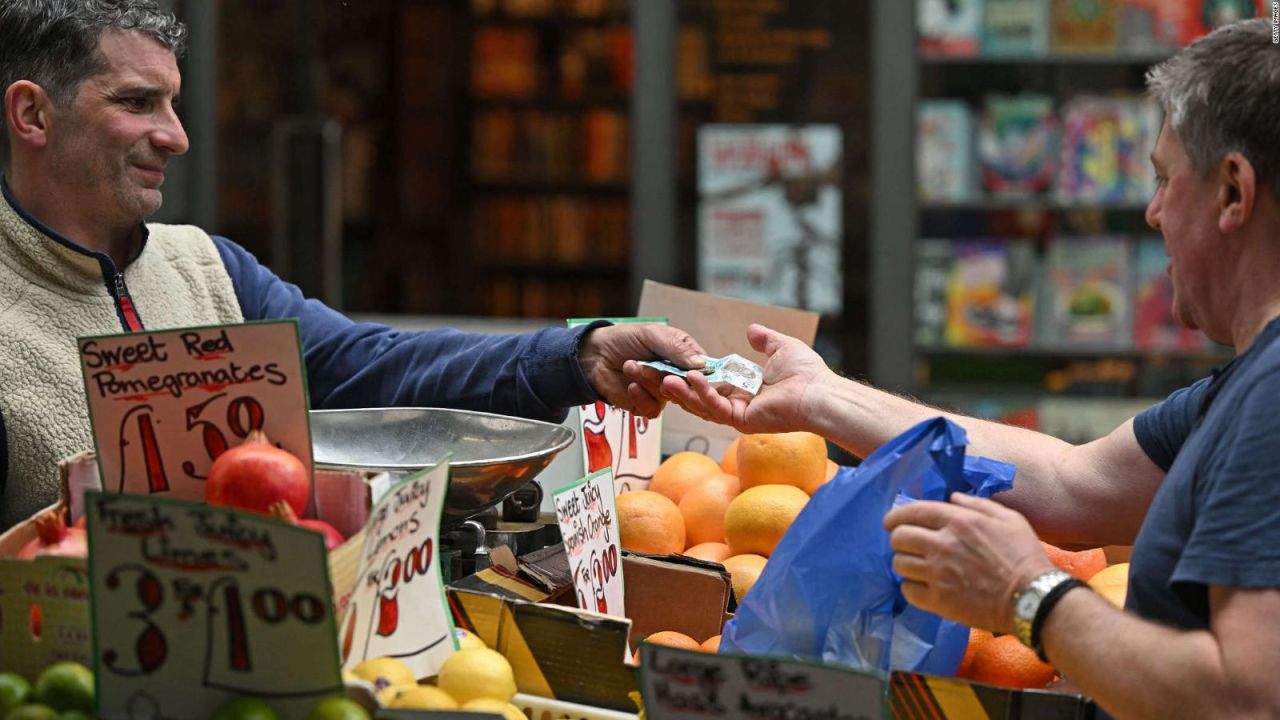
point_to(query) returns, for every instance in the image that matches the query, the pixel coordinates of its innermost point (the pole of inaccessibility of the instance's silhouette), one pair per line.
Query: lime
(14, 690)
(32, 712)
(245, 708)
(66, 686)
(336, 708)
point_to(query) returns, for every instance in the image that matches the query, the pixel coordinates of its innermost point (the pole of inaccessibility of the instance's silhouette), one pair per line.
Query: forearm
(1070, 497)
(1139, 669)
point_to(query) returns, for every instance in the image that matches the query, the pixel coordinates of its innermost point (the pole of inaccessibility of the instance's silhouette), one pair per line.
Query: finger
(913, 540)
(641, 373)
(643, 402)
(911, 567)
(675, 345)
(916, 593)
(925, 513)
(762, 339)
(973, 502)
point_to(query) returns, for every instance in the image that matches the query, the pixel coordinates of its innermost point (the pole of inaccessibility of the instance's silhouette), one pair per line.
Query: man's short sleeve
(1162, 428)
(1235, 540)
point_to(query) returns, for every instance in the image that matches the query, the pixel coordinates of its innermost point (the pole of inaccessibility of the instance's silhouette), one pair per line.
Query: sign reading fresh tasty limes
(194, 605)
(588, 516)
(398, 608)
(164, 405)
(689, 684)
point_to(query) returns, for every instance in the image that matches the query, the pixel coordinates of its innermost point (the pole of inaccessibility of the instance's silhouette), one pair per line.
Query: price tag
(627, 444)
(194, 605)
(163, 405)
(398, 608)
(588, 517)
(688, 684)
(44, 613)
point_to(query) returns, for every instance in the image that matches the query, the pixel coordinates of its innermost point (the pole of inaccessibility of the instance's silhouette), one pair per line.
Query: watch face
(1027, 603)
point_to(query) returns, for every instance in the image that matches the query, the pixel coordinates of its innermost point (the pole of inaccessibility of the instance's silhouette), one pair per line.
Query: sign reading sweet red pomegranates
(165, 405)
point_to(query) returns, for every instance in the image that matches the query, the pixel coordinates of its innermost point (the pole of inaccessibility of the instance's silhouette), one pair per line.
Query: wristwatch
(1031, 605)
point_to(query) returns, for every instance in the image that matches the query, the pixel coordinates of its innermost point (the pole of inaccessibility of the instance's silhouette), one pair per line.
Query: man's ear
(27, 112)
(1237, 190)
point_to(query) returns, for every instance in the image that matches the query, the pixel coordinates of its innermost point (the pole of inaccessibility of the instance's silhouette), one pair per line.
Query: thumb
(764, 340)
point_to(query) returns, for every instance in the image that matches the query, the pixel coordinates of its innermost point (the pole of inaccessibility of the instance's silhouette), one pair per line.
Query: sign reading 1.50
(184, 396)
(193, 604)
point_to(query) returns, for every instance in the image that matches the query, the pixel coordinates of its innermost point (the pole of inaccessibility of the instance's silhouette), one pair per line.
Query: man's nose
(170, 135)
(1153, 210)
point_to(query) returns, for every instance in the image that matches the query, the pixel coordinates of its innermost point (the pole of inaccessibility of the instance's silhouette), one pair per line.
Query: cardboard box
(579, 656)
(915, 696)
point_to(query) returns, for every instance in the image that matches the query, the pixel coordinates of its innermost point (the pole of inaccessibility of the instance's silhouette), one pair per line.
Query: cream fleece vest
(50, 295)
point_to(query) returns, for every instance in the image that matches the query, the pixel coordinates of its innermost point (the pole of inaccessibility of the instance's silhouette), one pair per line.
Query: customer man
(1191, 482)
(89, 93)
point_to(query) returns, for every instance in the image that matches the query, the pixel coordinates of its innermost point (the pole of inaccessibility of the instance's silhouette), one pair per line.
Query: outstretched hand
(606, 351)
(792, 372)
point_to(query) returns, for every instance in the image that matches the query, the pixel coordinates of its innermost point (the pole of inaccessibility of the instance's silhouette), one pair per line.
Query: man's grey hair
(1222, 93)
(54, 43)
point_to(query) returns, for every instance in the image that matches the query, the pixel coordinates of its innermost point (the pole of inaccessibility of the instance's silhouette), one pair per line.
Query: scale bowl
(492, 455)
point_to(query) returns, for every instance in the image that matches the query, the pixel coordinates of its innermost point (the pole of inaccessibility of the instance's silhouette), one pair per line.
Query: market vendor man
(90, 88)
(1193, 482)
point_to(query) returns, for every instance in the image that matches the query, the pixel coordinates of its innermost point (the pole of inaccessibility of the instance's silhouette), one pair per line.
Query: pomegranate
(55, 538)
(255, 474)
(332, 538)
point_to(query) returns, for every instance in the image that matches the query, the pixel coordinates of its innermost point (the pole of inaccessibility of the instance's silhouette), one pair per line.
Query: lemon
(477, 673)
(337, 708)
(384, 672)
(245, 708)
(468, 640)
(14, 690)
(489, 705)
(424, 697)
(66, 686)
(387, 694)
(32, 712)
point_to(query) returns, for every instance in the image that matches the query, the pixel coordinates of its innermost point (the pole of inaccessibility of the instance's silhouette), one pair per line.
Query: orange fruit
(711, 644)
(682, 471)
(704, 506)
(796, 458)
(757, 519)
(977, 637)
(1006, 662)
(1083, 564)
(1112, 583)
(709, 551)
(649, 522)
(744, 570)
(674, 639)
(729, 461)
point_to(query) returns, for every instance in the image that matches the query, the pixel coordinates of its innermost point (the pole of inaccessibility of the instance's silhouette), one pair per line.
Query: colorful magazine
(949, 27)
(933, 270)
(1015, 27)
(1018, 144)
(1153, 325)
(1085, 299)
(944, 150)
(1105, 145)
(1084, 26)
(991, 293)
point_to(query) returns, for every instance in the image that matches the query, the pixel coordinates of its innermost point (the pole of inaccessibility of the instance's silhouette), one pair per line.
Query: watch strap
(1047, 604)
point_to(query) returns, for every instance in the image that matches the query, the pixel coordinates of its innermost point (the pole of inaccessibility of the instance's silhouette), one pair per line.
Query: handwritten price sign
(688, 684)
(588, 517)
(163, 405)
(398, 608)
(627, 444)
(193, 605)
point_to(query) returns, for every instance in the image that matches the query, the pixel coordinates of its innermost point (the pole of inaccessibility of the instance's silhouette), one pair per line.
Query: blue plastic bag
(829, 590)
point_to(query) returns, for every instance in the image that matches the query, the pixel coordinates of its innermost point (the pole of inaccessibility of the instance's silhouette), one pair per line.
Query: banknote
(732, 369)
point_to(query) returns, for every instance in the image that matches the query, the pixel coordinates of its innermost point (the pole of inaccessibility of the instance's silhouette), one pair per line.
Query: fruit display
(255, 475)
(54, 538)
